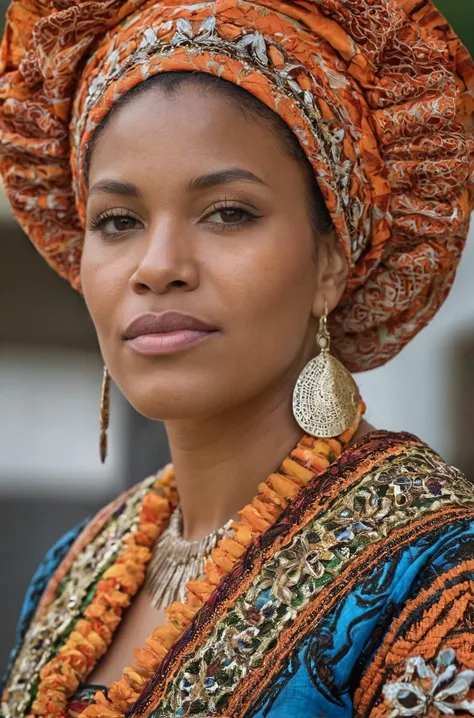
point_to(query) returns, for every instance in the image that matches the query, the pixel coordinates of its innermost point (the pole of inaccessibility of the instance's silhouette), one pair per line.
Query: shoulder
(406, 501)
(406, 475)
(385, 511)
(37, 586)
(387, 491)
(390, 516)
(120, 512)
(82, 541)
(389, 549)
(420, 572)
(424, 656)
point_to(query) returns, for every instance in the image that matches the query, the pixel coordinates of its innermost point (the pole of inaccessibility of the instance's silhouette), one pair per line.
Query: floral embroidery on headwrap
(380, 94)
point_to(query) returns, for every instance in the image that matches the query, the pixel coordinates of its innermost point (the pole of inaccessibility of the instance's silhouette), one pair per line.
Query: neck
(219, 462)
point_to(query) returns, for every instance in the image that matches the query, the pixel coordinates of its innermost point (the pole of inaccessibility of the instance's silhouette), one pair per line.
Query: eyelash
(97, 224)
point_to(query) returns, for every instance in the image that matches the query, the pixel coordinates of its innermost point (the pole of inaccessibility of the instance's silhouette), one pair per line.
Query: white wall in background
(49, 424)
(411, 392)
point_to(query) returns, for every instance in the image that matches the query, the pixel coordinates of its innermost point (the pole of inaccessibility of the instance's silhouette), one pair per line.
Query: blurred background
(50, 380)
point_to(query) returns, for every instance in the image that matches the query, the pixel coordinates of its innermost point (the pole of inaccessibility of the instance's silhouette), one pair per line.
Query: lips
(165, 322)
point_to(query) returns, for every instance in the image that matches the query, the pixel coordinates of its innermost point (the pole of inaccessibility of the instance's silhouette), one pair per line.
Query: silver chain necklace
(175, 561)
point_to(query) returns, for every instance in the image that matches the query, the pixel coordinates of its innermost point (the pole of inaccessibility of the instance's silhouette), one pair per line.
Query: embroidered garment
(358, 601)
(83, 698)
(380, 94)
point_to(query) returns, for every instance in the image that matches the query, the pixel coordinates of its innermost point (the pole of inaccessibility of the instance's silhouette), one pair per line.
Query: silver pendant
(176, 561)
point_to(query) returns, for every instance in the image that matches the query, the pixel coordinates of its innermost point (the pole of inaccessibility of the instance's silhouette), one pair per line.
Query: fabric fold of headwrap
(380, 94)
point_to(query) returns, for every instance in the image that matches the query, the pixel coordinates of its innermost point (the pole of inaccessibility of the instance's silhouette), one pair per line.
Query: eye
(119, 224)
(115, 222)
(230, 215)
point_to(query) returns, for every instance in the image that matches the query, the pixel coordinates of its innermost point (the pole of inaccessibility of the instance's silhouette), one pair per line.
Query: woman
(217, 179)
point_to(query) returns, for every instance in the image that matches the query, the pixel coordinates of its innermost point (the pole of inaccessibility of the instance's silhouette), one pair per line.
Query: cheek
(103, 283)
(273, 298)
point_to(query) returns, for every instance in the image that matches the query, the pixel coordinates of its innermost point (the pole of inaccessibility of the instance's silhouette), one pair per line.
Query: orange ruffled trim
(61, 677)
(92, 635)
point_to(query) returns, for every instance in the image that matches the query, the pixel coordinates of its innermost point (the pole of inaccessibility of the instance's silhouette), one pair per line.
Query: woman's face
(195, 208)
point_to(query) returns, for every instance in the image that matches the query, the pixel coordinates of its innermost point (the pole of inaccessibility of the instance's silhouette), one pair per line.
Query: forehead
(176, 133)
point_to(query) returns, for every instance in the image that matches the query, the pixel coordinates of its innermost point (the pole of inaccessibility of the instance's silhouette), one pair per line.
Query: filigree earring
(104, 414)
(326, 397)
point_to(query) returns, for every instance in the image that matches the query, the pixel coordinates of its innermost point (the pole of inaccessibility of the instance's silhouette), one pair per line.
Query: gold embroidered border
(322, 500)
(245, 694)
(191, 680)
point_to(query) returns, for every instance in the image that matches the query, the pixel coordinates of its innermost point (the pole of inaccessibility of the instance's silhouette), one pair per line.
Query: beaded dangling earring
(104, 414)
(326, 397)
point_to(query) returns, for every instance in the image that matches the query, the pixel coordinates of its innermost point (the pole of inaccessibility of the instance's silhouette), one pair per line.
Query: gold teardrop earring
(326, 397)
(104, 414)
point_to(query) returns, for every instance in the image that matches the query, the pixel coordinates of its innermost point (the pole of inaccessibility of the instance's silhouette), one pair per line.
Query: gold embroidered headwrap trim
(380, 94)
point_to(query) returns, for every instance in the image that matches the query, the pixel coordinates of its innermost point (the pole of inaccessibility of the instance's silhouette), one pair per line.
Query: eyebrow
(213, 179)
(115, 187)
(195, 185)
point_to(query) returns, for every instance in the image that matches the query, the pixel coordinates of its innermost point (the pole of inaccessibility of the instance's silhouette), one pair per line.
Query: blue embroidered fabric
(322, 674)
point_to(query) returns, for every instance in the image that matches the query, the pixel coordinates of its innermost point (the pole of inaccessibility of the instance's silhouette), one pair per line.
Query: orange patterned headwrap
(380, 94)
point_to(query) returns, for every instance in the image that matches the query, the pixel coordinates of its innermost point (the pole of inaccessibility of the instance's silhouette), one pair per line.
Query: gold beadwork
(326, 397)
(104, 414)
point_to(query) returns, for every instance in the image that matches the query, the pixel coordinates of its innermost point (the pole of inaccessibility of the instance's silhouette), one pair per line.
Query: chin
(176, 400)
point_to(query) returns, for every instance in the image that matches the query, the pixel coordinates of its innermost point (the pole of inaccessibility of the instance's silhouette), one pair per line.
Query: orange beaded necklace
(93, 631)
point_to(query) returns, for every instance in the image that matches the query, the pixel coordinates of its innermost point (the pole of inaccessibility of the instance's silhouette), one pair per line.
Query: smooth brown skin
(226, 402)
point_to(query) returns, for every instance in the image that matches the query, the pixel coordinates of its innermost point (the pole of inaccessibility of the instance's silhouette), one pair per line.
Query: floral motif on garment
(443, 687)
(425, 664)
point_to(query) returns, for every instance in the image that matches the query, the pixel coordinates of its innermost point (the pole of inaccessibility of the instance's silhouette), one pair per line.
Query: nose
(167, 260)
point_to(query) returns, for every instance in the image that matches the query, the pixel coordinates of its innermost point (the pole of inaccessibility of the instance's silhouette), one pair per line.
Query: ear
(332, 270)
